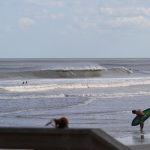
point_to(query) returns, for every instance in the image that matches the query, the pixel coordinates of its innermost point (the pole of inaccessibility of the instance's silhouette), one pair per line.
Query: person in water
(59, 123)
(141, 114)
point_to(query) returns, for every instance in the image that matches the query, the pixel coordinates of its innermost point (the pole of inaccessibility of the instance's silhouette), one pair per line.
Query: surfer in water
(140, 114)
(59, 123)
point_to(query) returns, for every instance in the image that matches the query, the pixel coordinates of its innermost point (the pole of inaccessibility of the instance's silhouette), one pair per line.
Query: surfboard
(137, 119)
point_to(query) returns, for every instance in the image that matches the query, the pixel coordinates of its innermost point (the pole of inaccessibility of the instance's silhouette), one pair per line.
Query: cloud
(112, 16)
(87, 15)
(46, 9)
(126, 16)
(25, 22)
(132, 22)
(88, 24)
(56, 16)
(125, 11)
(6, 28)
(49, 16)
(47, 3)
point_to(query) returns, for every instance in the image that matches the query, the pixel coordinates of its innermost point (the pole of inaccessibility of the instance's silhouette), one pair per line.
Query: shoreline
(137, 141)
(140, 147)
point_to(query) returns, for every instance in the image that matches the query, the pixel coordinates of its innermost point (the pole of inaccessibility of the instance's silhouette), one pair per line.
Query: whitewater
(92, 93)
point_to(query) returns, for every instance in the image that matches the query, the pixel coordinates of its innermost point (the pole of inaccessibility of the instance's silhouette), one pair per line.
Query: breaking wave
(56, 84)
(69, 73)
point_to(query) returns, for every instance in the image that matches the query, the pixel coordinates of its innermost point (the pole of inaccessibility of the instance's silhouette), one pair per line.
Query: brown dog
(59, 123)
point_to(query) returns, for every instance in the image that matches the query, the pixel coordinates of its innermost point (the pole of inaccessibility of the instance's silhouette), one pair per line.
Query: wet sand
(140, 147)
(137, 141)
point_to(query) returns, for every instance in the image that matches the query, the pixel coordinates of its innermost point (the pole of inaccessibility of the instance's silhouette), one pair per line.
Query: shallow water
(135, 139)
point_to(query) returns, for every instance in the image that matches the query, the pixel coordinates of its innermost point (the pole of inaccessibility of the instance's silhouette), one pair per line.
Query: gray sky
(74, 28)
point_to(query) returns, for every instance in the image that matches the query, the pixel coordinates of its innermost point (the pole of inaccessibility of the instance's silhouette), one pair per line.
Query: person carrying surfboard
(141, 116)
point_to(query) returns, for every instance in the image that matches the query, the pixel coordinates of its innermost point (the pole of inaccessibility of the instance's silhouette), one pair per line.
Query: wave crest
(69, 73)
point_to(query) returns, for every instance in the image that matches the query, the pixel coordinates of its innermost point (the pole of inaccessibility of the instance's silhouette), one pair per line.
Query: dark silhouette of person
(141, 114)
(59, 123)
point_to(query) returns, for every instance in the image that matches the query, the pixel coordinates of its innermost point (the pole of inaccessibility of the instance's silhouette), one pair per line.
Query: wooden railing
(57, 139)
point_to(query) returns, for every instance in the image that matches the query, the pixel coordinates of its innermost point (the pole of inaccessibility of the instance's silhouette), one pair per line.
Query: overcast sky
(74, 28)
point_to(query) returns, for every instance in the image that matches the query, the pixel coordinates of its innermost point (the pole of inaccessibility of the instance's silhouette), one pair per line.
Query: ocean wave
(69, 73)
(22, 97)
(77, 84)
(116, 95)
(121, 69)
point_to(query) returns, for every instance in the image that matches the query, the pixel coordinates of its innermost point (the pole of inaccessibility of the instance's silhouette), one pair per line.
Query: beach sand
(137, 141)
(140, 147)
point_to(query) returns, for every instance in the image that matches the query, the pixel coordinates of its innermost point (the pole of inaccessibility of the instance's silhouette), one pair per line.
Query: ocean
(91, 93)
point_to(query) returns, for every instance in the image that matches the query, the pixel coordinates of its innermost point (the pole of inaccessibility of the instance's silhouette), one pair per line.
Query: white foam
(122, 68)
(3, 97)
(77, 66)
(79, 84)
(117, 94)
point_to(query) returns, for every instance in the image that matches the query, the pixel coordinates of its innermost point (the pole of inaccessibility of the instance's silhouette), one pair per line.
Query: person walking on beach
(140, 114)
(59, 123)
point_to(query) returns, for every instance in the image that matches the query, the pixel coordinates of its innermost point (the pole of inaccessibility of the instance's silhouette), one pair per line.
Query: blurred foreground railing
(57, 139)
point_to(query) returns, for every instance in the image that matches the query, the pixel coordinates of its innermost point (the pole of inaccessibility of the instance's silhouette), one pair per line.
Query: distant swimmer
(59, 123)
(24, 82)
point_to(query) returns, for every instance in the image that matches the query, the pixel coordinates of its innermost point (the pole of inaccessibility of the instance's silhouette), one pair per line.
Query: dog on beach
(59, 123)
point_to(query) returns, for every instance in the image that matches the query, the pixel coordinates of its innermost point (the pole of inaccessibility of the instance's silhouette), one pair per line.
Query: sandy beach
(139, 147)
(137, 141)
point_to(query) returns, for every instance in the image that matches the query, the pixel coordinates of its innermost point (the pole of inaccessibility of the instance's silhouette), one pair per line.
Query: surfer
(140, 114)
(59, 123)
